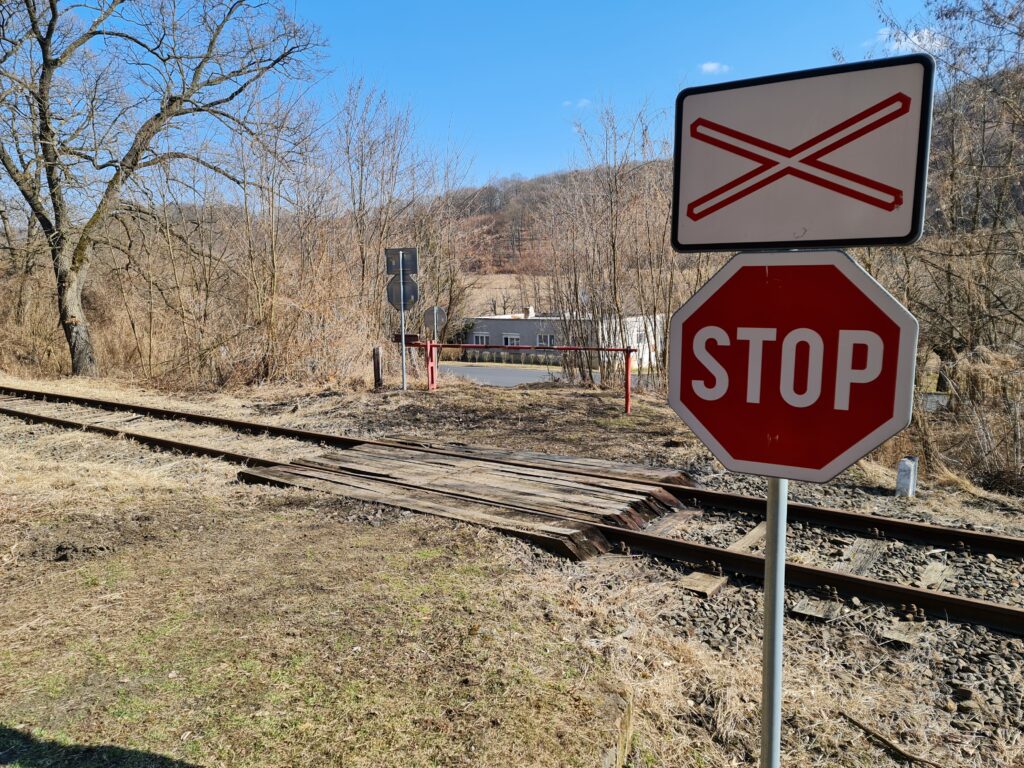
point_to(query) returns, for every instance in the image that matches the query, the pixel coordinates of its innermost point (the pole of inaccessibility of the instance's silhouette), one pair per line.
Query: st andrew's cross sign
(824, 157)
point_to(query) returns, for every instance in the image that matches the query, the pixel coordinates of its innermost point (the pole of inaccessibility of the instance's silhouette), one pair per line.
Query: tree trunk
(72, 315)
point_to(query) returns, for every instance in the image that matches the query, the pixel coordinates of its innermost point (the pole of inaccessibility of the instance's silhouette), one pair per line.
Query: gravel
(973, 676)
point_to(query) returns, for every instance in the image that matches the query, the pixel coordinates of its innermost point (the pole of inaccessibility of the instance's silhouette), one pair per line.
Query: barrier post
(437, 361)
(431, 350)
(378, 369)
(629, 379)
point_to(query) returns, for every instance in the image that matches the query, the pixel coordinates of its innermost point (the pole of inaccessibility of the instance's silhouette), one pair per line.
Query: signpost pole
(401, 311)
(436, 359)
(774, 593)
(629, 380)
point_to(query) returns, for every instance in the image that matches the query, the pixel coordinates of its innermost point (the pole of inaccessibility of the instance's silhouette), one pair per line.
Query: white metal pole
(401, 311)
(771, 654)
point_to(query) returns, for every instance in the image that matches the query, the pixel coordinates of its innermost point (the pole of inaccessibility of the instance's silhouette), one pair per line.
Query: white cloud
(567, 103)
(714, 68)
(914, 40)
(583, 103)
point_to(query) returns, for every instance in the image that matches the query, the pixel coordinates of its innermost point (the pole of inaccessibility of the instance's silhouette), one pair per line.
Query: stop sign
(792, 364)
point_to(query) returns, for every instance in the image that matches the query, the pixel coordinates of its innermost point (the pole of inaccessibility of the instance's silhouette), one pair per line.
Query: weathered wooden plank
(936, 576)
(862, 555)
(563, 537)
(483, 478)
(517, 498)
(905, 633)
(447, 497)
(816, 608)
(748, 542)
(486, 473)
(703, 584)
(647, 500)
(611, 468)
(636, 503)
(559, 473)
(858, 559)
(673, 523)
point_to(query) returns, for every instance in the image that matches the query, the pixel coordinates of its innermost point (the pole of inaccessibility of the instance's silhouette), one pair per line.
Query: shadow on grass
(26, 751)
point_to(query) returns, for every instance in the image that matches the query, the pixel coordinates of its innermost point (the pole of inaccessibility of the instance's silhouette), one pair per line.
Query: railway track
(578, 507)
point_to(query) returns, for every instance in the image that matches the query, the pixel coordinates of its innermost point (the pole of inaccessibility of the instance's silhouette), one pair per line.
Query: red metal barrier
(433, 354)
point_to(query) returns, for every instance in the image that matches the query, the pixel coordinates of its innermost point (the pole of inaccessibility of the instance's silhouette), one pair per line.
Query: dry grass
(700, 706)
(152, 604)
(160, 608)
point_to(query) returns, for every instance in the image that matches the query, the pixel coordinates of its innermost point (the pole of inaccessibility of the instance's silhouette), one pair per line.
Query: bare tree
(965, 279)
(96, 93)
(377, 173)
(614, 276)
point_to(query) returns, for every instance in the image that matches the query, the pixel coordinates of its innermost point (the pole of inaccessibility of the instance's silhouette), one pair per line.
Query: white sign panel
(833, 156)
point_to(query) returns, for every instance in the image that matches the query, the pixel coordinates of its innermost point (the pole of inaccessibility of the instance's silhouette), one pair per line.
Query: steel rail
(152, 441)
(907, 530)
(872, 525)
(942, 604)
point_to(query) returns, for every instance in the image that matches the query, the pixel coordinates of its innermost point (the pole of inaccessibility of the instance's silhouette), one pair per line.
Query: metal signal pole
(771, 652)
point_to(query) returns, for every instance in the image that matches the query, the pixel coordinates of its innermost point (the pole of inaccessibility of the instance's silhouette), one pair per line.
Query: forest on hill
(175, 207)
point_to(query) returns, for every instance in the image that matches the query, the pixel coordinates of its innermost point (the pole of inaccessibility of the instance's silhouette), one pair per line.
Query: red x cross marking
(803, 161)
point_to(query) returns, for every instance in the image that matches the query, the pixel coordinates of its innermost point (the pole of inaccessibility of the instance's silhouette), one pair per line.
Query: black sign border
(921, 176)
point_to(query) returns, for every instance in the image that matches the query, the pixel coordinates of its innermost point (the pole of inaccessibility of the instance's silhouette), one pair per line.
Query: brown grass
(152, 604)
(156, 606)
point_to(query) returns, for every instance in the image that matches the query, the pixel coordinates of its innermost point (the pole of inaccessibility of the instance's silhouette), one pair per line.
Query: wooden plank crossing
(570, 464)
(549, 502)
(565, 537)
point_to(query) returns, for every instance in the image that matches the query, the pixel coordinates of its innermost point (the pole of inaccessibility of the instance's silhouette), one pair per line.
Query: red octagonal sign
(792, 365)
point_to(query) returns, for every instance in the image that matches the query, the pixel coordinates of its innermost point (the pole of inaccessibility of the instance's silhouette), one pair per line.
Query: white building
(529, 329)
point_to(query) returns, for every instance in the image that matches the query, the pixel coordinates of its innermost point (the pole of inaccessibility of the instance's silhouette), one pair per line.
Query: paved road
(499, 375)
(507, 375)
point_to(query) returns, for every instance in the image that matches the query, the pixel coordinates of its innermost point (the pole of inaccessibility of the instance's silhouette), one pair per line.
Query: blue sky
(505, 82)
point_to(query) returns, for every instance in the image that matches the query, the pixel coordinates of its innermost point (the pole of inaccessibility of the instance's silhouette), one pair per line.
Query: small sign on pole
(825, 157)
(403, 294)
(400, 261)
(434, 320)
(402, 290)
